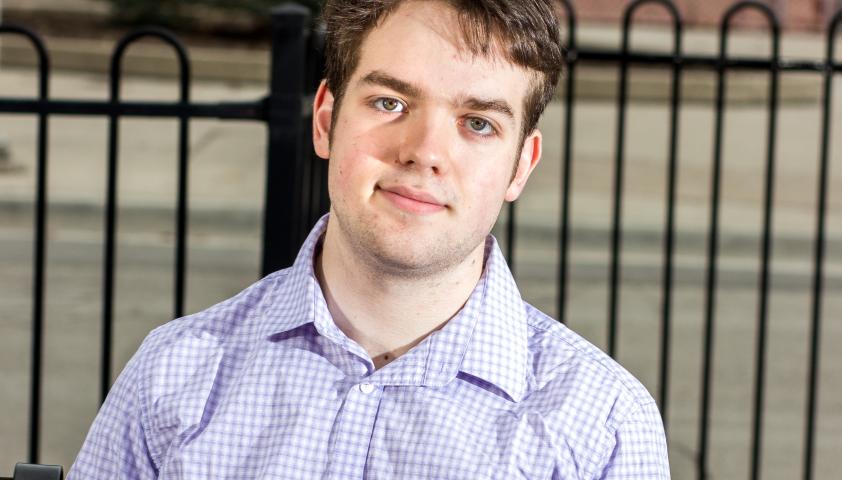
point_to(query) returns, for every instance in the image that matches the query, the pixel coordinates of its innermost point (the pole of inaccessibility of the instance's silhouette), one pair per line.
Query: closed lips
(417, 195)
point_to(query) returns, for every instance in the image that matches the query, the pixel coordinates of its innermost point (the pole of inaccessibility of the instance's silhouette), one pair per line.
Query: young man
(397, 345)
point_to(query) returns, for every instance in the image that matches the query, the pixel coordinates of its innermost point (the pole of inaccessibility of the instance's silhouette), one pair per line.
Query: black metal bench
(30, 471)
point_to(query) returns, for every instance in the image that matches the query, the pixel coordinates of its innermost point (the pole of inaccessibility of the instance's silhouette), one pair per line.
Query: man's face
(424, 145)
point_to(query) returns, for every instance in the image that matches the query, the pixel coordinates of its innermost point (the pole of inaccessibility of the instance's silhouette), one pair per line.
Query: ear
(530, 155)
(322, 116)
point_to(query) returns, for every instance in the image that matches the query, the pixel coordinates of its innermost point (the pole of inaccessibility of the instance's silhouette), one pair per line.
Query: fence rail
(296, 193)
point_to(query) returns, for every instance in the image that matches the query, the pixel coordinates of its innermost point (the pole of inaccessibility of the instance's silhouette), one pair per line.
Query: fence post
(284, 217)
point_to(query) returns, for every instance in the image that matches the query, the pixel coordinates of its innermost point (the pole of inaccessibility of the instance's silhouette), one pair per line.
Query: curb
(229, 217)
(595, 237)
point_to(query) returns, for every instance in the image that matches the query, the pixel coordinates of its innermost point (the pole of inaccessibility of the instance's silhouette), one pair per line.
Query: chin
(414, 258)
(398, 260)
(409, 251)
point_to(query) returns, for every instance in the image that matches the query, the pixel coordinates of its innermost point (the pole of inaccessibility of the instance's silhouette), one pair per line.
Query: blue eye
(388, 104)
(480, 126)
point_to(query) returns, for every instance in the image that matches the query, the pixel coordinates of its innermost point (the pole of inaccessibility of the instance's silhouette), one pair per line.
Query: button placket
(353, 432)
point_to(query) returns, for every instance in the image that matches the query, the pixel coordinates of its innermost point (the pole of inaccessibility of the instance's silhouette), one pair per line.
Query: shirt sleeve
(640, 449)
(116, 445)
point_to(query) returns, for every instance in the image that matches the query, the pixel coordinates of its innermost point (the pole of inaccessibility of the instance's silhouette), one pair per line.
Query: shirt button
(366, 388)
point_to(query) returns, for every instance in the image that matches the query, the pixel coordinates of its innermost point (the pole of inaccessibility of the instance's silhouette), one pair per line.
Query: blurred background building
(793, 14)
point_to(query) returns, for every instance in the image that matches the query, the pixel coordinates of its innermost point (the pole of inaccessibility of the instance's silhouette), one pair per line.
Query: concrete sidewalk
(226, 192)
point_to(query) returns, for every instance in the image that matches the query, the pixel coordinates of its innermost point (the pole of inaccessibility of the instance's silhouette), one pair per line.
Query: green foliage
(180, 13)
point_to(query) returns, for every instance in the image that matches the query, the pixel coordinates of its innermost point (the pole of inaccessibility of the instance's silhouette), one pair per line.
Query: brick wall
(793, 14)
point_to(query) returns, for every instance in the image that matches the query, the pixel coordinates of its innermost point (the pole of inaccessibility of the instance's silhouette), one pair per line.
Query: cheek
(353, 168)
(483, 199)
(486, 187)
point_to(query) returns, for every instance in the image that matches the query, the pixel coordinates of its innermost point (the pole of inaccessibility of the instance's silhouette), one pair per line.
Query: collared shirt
(265, 385)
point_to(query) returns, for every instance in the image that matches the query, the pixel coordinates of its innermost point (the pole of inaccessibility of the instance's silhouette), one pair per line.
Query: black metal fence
(290, 207)
(296, 186)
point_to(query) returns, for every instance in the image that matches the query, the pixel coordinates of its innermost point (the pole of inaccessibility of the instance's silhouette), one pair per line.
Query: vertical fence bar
(766, 249)
(567, 166)
(183, 156)
(316, 166)
(619, 160)
(319, 198)
(510, 237)
(619, 165)
(308, 167)
(713, 247)
(819, 251)
(110, 223)
(111, 189)
(714, 238)
(670, 201)
(283, 213)
(669, 227)
(40, 253)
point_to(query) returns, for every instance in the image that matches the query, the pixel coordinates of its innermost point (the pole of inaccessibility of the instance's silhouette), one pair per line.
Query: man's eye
(480, 126)
(387, 104)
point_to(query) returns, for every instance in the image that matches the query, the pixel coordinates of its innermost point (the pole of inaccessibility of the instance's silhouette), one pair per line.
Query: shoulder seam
(627, 388)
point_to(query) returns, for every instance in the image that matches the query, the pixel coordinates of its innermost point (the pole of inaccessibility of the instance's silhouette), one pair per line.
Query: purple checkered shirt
(265, 385)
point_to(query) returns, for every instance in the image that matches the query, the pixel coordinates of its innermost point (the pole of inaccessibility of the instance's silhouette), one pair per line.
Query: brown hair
(524, 31)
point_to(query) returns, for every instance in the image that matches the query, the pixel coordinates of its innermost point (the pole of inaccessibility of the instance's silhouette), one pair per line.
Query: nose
(426, 142)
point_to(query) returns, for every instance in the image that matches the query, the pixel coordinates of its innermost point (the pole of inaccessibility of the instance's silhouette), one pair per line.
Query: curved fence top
(40, 49)
(162, 34)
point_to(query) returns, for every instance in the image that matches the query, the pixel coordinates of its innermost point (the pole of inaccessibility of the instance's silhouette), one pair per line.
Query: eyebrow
(499, 106)
(383, 79)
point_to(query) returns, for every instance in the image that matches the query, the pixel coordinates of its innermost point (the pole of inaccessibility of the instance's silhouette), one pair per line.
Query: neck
(387, 314)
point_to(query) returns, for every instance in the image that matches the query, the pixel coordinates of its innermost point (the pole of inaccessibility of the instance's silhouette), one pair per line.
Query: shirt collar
(299, 299)
(487, 339)
(497, 349)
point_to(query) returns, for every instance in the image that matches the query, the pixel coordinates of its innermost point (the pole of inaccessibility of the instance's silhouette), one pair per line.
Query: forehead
(423, 41)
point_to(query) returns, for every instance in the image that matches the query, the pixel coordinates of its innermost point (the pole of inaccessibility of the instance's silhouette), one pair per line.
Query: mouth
(412, 200)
